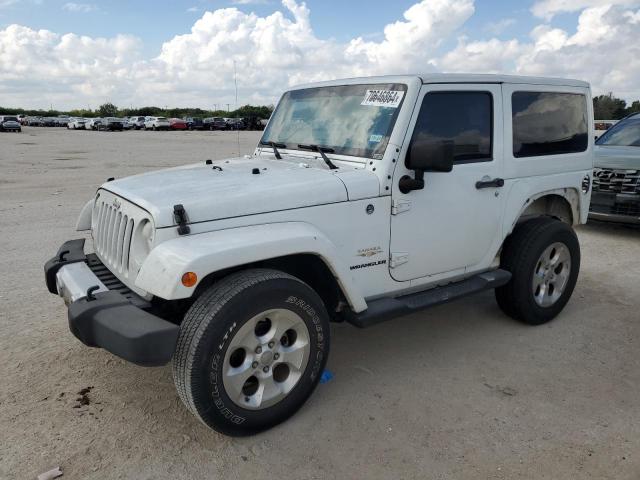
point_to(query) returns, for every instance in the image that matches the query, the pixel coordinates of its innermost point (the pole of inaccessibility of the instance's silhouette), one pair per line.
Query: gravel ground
(459, 391)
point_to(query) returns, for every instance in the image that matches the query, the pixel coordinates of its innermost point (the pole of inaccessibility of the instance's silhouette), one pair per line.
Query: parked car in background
(61, 121)
(616, 176)
(76, 124)
(235, 124)
(156, 123)
(9, 123)
(177, 124)
(34, 121)
(93, 123)
(255, 123)
(215, 123)
(136, 122)
(602, 126)
(21, 119)
(48, 122)
(111, 124)
(194, 123)
(126, 125)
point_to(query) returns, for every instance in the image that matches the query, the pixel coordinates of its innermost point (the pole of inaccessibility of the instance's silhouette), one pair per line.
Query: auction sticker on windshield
(383, 98)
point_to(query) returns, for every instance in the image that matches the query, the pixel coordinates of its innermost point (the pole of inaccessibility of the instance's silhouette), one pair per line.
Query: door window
(464, 118)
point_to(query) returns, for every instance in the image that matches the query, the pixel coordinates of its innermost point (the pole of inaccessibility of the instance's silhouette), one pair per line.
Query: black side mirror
(424, 156)
(430, 156)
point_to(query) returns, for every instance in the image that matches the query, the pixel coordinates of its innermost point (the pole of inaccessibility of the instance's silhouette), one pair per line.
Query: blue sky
(182, 53)
(157, 21)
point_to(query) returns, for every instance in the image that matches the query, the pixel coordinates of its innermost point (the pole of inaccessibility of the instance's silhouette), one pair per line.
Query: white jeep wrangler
(366, 199)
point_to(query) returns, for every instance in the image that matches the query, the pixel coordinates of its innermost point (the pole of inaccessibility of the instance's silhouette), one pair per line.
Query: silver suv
(616, 176)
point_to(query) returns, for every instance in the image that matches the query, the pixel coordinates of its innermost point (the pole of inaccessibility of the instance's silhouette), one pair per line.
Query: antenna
(235, 81)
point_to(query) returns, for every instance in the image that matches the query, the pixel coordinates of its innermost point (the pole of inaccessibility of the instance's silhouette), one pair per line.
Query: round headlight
(146, 232)
(141, 243)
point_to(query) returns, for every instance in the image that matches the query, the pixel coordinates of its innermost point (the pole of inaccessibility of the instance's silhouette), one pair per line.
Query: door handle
(493, 183)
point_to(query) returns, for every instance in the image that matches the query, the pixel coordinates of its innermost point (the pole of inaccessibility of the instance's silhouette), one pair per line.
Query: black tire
(520, 255)
(209, 328)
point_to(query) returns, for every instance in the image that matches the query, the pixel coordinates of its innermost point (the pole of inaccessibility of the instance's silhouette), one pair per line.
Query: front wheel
(251, 350)
(543, 256)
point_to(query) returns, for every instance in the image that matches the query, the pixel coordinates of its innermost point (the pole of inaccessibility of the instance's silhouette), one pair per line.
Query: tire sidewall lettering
(317, 365)
(223, 405)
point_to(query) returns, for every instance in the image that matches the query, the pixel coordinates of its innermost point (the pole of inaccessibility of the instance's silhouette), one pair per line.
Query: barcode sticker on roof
(383, 98)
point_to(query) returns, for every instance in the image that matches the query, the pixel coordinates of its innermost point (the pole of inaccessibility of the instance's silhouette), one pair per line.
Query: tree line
(608, 107)
(110, 110)
(605, 107)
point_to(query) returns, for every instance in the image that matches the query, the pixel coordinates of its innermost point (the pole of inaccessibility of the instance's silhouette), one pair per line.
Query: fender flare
(207, 253)
(523, 193)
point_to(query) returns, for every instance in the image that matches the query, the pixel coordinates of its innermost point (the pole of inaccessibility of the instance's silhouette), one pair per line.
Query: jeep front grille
(616, 181)
(112, 236)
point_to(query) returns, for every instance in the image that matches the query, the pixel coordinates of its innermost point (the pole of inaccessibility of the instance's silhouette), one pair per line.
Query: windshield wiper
(320, 150)
(275, 147)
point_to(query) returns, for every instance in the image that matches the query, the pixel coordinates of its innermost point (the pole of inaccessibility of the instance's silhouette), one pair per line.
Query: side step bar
(388, 308)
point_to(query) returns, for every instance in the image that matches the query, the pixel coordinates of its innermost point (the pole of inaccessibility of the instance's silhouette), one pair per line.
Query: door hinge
(399, 206)
(398, 259)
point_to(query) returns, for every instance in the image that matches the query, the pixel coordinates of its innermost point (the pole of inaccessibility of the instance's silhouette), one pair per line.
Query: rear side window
(465, 118)
(548, 123)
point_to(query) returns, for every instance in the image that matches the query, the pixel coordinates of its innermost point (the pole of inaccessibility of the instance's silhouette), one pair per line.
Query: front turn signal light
(189, 279)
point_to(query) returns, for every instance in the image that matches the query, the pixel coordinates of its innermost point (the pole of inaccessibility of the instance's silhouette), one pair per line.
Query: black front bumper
(110, 319)
(615, 207)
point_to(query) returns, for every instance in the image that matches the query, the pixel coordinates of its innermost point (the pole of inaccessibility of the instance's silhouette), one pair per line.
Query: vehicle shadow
(630, 231)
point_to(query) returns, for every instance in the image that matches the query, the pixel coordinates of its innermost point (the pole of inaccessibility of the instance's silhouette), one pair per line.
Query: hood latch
(180, 216)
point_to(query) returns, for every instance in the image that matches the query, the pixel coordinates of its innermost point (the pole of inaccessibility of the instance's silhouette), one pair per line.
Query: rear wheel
(251, 350)
(543, 256)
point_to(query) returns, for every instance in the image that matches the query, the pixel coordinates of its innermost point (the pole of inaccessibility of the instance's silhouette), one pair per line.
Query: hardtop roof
(452, 78)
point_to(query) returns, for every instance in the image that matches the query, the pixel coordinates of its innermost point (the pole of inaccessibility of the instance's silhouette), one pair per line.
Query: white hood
(210, 194)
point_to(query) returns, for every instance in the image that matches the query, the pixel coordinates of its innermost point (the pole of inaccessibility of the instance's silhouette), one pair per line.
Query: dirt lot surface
(459, 391)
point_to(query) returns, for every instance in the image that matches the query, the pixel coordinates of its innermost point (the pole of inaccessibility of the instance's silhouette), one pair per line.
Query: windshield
(10, 119)
(354, 120)
(625, 133)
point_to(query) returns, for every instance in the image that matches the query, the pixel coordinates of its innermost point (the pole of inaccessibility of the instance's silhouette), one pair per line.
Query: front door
(454, 223)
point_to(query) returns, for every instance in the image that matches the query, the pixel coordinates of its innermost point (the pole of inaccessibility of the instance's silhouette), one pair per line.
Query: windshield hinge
(399, 206)
(398, 258)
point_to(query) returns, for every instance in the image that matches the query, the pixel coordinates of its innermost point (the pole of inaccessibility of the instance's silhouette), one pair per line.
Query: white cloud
(407, 44)
(38, 67)
(634, 17)
(79, 7)
(547, 9)
(249, 2)
(274, 51)
(491, 56)
(603, 50)
(499, 26)
(193, 9)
